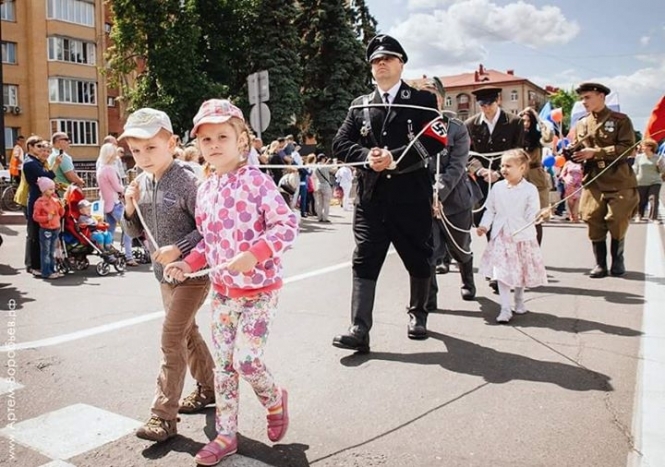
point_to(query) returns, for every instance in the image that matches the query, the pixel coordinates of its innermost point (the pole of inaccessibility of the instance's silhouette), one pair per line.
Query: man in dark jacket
(394, 189)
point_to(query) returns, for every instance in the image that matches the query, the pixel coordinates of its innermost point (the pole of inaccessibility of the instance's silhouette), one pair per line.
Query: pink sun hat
(215, 111)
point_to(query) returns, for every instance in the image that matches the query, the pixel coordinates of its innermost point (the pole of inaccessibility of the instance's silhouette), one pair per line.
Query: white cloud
(455, 35)
(644, 40)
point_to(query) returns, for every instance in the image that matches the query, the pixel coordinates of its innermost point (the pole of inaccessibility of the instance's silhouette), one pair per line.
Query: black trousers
(408, 227)
(445, 239)
(645, 193)
(33, 258)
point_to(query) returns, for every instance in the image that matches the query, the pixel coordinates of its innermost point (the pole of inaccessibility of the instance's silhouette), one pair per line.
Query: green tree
(365, 27)
(274, 47)
(565, 100)
(155, 42)
(333, 65)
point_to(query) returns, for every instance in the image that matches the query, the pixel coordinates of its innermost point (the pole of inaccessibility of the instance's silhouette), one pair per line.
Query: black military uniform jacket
(508, 134)
(456, 192)
(392, 128)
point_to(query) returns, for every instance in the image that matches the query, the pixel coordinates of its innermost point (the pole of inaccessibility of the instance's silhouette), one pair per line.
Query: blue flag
(545, 115)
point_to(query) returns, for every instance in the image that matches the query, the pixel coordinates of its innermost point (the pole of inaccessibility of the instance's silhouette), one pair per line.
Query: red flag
(438, 131)
(656, 124)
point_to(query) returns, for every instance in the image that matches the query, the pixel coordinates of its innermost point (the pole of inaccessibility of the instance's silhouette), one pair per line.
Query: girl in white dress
(512, 256)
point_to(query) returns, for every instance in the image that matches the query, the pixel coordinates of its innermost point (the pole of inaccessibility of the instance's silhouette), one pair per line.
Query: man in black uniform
(394, 198)
(491, 130)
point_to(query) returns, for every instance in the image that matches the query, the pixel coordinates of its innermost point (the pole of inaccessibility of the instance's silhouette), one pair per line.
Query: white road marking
(71, 431)
(50, 341)
(649, 412)
(7, 386)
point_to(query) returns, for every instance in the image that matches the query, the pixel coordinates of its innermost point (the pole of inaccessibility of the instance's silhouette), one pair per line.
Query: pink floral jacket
(242, 211)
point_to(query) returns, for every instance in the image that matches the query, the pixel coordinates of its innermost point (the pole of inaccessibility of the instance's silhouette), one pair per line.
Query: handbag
(22, 192)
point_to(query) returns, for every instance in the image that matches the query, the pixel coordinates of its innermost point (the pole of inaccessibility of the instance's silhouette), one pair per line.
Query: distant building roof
(479, 78)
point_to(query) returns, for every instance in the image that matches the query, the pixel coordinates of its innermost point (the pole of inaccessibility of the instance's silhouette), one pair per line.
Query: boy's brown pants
(182, 346)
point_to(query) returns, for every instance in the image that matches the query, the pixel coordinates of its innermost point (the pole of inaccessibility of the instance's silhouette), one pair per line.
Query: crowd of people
(220, 212)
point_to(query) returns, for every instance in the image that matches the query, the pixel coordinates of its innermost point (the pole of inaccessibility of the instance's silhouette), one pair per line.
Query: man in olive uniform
(491, 130)
(608, 203)
(394, 201)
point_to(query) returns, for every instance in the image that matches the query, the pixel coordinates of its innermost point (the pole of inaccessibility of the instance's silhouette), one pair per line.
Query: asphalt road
(556, 387)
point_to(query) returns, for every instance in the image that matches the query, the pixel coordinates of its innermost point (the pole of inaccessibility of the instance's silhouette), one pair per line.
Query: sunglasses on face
(41, 146)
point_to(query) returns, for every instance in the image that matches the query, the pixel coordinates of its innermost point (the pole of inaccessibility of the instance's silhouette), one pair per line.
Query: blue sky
(557, 42)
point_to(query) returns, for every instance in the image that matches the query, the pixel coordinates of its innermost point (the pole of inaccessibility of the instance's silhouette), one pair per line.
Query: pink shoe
(279, 423)
(213, 453)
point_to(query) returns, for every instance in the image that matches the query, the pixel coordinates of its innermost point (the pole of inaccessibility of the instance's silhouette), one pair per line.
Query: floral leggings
(240, 329)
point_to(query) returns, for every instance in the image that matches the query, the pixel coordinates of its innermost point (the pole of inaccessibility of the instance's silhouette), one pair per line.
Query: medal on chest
(609, 126)
(365, 129)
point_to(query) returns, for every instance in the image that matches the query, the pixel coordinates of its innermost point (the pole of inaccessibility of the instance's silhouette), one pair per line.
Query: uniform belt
(409, 169)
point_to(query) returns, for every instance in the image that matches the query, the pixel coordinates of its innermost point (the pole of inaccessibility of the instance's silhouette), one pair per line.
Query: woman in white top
(344, 177)
(512, 256)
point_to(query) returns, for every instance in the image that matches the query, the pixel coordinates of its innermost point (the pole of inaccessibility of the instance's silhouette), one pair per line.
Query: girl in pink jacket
(246, 226)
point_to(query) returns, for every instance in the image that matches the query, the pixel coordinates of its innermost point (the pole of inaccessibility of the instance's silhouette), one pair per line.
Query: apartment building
(52, 59)
(516, 92)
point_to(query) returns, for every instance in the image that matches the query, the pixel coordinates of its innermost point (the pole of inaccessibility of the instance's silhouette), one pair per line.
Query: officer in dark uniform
(607, 204)
(456, 194)
(394, 201)
(491, 130)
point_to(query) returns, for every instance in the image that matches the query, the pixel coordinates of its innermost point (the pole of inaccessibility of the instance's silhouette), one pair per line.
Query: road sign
(259, 118)
(258, 87)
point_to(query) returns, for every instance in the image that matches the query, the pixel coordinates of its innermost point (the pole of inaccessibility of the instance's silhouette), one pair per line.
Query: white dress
(513, 255)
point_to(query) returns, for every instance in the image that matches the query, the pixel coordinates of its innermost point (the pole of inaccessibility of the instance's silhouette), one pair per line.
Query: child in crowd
(165, 193)
(47, 213)
(99, 232)
(571, 175)
(512, 256)
(246, 227)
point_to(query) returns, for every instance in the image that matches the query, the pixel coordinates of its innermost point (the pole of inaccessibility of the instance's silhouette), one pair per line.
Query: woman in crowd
(650, 171)
(111, 192)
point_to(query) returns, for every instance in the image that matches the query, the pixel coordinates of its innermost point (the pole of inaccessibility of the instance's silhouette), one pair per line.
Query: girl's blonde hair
(106, 153)
(518, 155)
(191, 153)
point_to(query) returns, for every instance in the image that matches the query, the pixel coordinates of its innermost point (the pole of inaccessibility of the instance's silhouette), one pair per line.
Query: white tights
(504, 296)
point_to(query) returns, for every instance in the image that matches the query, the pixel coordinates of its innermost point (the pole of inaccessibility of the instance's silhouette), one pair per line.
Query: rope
(539, 219)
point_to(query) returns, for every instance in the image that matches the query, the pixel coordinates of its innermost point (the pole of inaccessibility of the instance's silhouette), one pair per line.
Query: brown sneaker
(197, 400)
(157, 429)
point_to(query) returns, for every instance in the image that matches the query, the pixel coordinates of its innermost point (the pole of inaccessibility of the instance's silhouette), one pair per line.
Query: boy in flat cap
(607, 203)
(394, 202)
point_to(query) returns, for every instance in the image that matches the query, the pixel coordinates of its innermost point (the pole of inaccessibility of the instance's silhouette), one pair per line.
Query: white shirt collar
(392, 92)
(491, 124)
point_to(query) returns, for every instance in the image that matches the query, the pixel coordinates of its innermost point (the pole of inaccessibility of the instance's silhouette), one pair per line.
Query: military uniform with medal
(607, 203)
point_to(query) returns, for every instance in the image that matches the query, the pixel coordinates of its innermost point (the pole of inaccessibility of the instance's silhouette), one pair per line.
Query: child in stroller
(98, 230)
(77, 241)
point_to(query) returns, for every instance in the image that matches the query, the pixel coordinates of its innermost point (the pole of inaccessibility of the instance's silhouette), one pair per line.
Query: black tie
(386, 98)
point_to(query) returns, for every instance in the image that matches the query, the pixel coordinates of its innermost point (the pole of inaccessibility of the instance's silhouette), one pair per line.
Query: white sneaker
(520, 308)
(505, 316)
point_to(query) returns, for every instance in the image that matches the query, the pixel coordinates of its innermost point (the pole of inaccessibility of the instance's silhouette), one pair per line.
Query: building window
(107, 28)
(8, 11)
(532, 96)
(9, 52)
(449, 101)
(71, 50)
(72, 11)
(11, 134)
(110, 101)
(10, 94)
(463, 99)
(81, 132)
(72, 91)
(514, 96)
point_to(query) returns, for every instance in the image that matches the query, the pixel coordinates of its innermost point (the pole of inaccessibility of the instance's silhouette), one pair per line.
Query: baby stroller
(140, 250)
(76, 245)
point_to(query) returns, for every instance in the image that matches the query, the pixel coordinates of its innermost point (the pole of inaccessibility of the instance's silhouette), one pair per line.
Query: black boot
(362, 304)
(468, 289)
(616, 250)
(600, 252)
(418, 308)
(432, 294)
